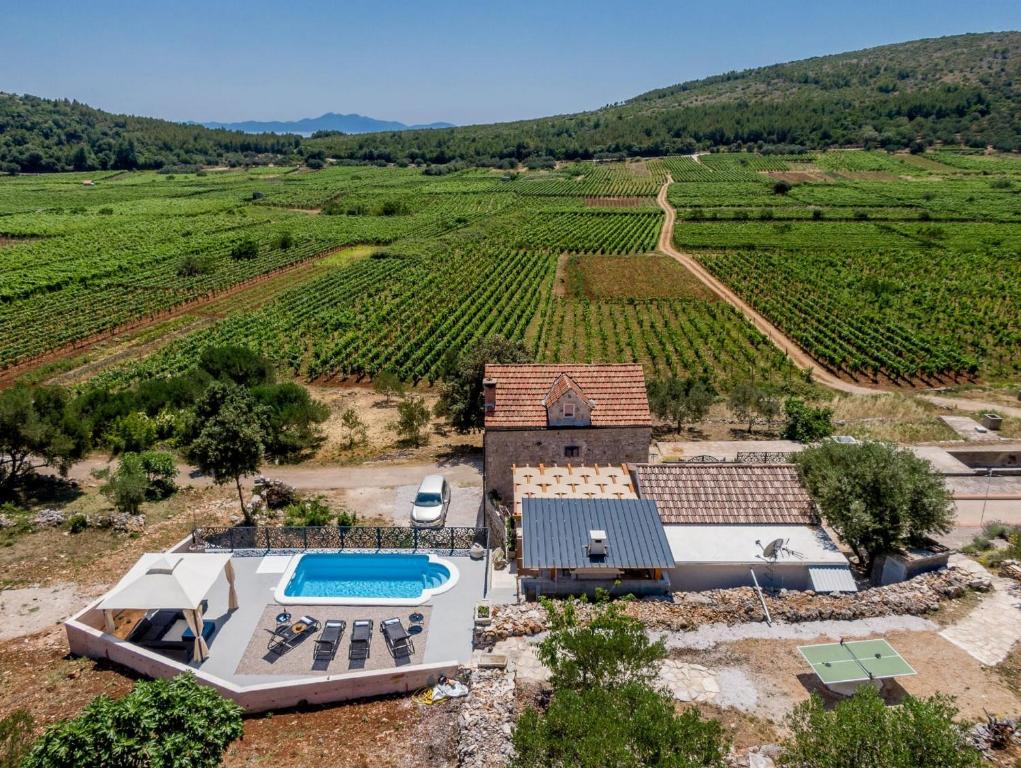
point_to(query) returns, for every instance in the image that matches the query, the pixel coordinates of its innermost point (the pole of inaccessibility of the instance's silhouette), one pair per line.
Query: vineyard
(882, 267)
(900, 267)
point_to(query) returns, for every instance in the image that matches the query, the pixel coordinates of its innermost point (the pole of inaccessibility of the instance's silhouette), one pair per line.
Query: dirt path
(799, 356)
(972, 405)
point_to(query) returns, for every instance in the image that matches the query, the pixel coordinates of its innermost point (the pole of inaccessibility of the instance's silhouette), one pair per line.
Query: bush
(412, 418)
(245, 250)
(77, 523)
(160, 472)
(781, 187)
(313, 511)
(285, 241)
(132, 433)
(193, 264)
(159, 724)
(346, 518)
(806, 423)
(128, 485)
(921, 733)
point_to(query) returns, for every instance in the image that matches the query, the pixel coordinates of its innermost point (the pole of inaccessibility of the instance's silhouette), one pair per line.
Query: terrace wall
(86, 639)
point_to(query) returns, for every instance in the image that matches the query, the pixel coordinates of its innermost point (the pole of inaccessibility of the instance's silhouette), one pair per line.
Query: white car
(429, 509)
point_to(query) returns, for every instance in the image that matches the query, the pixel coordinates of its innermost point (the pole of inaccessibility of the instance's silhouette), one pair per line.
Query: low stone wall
(687, 610)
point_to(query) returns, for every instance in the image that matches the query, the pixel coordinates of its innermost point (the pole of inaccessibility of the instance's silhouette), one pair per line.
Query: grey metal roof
(832, 578)
(555, 533)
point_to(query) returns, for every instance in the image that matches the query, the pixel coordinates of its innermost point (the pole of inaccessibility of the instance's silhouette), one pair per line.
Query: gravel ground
(709, 635)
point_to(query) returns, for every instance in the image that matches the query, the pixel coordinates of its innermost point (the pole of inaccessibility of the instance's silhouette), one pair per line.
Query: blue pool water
(349, 575)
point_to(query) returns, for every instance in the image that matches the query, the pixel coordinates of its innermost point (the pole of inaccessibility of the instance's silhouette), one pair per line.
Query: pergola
(172, 581)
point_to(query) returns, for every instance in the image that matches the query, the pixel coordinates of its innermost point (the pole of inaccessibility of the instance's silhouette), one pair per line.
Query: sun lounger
(397, 638)
(361, 639)
(329, 639)
(284, 637)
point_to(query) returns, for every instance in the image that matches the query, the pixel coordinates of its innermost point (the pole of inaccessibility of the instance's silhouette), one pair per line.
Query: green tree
(806, 423)
(127, 486)
(604, 712)
(38, 427)
(412, 418)
(629, 727)
(311, 511)
(387, 384)
(294, 430)
(132, 433)
(875, 496)
(229, 435)
(610, 650)
(159, 724)
(749, 400)
(239, 365)
(461, 391)
(862, 732)
(160, 472)
(680, 400)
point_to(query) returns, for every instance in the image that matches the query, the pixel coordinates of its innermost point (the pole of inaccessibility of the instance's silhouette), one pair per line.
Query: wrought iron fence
(338, 537)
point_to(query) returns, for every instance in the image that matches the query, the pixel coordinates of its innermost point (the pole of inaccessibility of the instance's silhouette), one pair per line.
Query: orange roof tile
(728, 494)
(617, 390)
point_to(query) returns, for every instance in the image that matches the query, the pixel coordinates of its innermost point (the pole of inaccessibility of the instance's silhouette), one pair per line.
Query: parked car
(429, 510)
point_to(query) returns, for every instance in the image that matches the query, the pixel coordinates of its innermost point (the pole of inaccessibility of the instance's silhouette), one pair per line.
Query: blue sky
(433, 60)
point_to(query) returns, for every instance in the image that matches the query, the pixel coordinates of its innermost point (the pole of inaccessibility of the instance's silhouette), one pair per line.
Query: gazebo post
(232, 592)
(109, 625)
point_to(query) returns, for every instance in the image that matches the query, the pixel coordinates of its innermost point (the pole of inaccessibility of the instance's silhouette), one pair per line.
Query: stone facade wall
(606, 445)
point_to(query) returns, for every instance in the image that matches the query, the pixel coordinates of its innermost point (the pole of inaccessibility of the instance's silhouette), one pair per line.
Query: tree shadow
(464, 453)
(38, 490)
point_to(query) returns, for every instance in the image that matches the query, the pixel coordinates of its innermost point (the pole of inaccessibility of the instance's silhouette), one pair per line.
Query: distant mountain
(331, 121)
(955, 90)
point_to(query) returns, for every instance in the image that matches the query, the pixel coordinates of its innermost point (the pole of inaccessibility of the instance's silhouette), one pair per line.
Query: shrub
(159, 724)
(412, 418)
(806, 423)
(817, 214)
(311, 511)
(193, 264)
(921, 733)
(160, 472)
(781, 187)
(245, 250)
(132, 433)
(128, 485)
(285, 241)
(346, 518)
(77, 523)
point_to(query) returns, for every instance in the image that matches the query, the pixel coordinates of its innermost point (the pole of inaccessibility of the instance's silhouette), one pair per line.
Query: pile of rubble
(1011, 569)
(756, 757)
(486, 720)
(119, 521)
(994, 734)
(270, 494)
(687, 610)
(49, 518)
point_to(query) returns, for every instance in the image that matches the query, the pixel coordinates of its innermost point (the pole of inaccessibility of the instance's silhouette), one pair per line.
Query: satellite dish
(772, 549)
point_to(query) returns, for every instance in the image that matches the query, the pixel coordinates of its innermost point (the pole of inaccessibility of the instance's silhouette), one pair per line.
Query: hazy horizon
(444, 62)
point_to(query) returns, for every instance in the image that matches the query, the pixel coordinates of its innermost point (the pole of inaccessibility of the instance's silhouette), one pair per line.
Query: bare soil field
(620, 277)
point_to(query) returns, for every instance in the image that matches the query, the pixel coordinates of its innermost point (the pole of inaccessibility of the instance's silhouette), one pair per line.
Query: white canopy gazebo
(172, 581)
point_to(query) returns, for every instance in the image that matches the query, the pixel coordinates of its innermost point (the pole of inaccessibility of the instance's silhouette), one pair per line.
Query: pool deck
(448, 636)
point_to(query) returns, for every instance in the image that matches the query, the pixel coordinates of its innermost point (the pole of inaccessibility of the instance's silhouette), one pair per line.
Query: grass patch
(631, 277)
(891, 418)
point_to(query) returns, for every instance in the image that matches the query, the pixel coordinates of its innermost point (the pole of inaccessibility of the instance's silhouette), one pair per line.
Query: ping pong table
(844, 666)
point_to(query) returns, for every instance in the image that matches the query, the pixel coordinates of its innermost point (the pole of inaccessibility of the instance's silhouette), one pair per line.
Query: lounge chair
(397, 638)
(284, 637)
(329, 639)
(361, 639)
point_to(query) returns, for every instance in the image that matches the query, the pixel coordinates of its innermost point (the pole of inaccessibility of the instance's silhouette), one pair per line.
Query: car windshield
(427, 499)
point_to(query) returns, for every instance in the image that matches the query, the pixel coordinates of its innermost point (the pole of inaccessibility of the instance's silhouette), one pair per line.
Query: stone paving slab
(990, 630)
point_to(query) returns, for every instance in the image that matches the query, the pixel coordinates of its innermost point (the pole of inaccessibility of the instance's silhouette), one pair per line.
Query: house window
(571, 451)
(568, 410)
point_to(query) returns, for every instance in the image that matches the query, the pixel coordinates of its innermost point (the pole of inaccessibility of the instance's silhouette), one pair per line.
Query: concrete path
(991, 630)
(689, 682)
(972, 405)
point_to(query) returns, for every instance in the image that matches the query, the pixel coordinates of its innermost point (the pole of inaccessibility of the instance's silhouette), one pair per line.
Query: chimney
(597, 544)
(489, 395)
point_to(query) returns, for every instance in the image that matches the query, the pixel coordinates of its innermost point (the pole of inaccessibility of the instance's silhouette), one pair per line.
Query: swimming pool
(375, 578)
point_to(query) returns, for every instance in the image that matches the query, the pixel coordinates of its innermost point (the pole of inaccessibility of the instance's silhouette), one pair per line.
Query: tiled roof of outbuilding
(729, 494)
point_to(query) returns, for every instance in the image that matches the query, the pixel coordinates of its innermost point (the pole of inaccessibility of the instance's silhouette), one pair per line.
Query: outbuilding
(733, 524)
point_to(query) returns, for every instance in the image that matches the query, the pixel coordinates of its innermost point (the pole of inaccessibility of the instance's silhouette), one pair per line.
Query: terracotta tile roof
(561, 386)
(734, 494)
(618, 392)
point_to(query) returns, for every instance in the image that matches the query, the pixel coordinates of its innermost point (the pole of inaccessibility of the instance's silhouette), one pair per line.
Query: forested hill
(957, 90)
(39, 135)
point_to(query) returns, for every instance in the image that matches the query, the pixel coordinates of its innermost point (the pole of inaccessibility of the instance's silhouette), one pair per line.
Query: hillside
(41, 135)
(957, 90)
(331, 121)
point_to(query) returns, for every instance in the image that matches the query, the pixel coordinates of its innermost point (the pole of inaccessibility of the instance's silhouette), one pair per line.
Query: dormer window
(569, 410)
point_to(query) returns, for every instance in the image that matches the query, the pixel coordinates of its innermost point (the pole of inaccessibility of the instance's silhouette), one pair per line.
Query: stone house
(562, 414)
